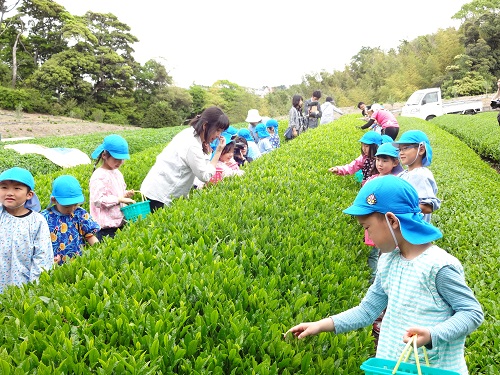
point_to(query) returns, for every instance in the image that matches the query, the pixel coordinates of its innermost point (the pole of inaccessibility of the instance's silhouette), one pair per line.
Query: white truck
(428, 103)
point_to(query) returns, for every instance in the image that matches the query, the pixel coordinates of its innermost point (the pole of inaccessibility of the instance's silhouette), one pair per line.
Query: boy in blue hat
(416, 153)
(70, 225)
(25, 249)
(420, 285)
(366, 161)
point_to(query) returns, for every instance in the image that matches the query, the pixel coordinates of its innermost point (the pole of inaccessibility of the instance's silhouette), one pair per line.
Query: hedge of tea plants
(138, 140)
(480, 132)
(210, 284)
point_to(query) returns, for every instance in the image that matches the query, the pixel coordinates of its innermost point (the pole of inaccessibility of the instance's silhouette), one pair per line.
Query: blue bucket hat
(371, 137)
(261, 131)
(387, 139)
(418, 137)
(272, 123)
(245, 133)
(393, 194)
(67, 190)
(19, 175)
(116, 145)
(388, 149)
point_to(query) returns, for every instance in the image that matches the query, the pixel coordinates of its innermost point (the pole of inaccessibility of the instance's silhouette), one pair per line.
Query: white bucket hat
(253, 116)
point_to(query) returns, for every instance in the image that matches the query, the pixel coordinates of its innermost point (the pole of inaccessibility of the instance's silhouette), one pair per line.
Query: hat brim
(416, 230)
(355, 210)
(69, 201)
(119, 156)
(253, 119)
(97, 151)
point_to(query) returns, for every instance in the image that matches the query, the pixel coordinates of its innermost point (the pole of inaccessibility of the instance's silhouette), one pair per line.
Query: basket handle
(406, 354)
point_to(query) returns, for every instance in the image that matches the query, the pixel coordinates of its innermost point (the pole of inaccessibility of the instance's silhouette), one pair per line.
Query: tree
(113, 52)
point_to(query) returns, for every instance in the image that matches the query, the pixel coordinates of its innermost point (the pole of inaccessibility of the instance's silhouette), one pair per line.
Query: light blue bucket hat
(116, 145)
(393, 194)
(417, 137)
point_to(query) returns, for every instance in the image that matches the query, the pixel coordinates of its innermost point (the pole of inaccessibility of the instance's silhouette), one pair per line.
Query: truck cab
(425, 104)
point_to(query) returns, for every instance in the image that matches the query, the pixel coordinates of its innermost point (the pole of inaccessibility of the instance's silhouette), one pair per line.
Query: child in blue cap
(70, 225)
(226, 166)
(416, 153)
(386, 163)
(253, 148)
(108, 190)
(420, 285)
(25, 248)
(366, 161)
(272, 128)
(264, 143)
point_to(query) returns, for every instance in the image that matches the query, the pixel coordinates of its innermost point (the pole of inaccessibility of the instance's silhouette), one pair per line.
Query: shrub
(115, 118)
(160, 115)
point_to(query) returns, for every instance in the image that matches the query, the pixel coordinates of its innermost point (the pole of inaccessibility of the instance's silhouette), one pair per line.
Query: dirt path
(13, 125)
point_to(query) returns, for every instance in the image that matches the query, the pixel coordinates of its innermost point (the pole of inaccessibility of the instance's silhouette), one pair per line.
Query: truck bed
(463, 107)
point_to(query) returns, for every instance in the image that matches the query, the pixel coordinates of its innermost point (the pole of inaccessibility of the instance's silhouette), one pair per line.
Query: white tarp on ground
(64, 157)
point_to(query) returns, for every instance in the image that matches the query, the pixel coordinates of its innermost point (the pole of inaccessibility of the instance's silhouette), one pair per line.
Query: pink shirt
(352, 167)
(385, 119)
(106, 186)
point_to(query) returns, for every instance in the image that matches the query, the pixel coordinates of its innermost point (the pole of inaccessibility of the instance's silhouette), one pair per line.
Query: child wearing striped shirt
(420, 285)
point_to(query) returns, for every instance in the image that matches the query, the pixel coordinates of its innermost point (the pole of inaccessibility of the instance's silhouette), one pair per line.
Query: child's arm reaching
(350, 168)
(467, 316)
(92, 240)
(312, 328)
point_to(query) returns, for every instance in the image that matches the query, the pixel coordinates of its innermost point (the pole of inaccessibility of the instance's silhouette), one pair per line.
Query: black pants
(391, 132)
(498, 118)
(106, 232)
(154, 205)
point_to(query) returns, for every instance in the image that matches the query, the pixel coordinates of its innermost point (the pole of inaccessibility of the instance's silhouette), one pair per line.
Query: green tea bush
(209, 284)
(38, 164)
(480, 132)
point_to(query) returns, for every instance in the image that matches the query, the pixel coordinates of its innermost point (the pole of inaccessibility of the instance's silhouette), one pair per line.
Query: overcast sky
(266, 43)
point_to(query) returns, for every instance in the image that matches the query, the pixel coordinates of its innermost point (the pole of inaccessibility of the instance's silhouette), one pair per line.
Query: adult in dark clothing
(312, 110)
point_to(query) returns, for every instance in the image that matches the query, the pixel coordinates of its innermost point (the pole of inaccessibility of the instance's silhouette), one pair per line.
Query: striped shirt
(428, 291)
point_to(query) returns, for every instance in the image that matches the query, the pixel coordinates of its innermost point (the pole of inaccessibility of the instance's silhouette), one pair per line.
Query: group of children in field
(244, 146)
(32, 242)
(418, 291)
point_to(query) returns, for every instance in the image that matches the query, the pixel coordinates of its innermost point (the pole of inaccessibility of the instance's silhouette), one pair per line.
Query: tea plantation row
(209, 284)
(480, 132)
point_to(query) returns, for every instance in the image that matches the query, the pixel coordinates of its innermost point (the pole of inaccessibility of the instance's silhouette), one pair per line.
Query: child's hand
(57, 258)
(294, 132)
(333, 170)
(129, 193)
(312, 328)
(424, 336)
(222, 143)
(126, 200)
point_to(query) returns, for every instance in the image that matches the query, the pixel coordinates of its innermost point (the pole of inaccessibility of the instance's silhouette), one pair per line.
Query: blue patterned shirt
(68, 232)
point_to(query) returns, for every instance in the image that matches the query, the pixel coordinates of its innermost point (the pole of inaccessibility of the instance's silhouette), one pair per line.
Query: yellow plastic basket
(134, 211)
